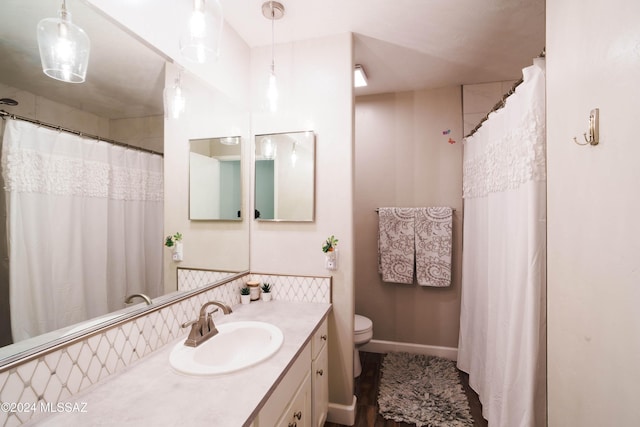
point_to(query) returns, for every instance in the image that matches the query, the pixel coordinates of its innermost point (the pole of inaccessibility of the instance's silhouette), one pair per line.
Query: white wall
(593, 61)
(315, 86)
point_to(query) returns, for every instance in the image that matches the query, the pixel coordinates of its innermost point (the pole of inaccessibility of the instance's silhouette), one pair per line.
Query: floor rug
(423, 390)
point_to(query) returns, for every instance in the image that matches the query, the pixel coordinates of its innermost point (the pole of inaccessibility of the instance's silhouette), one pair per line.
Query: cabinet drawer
(319, 339)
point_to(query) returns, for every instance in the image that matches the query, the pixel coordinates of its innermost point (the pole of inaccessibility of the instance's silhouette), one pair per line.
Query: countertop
(151, 392)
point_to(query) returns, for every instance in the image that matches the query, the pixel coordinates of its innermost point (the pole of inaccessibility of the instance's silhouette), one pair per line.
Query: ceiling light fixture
(175, 101)
(272, 10)
(64, 47)
(359, 76)
(200, 41)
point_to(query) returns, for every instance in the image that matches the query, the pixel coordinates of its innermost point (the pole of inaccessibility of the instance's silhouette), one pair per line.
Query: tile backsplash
(55, 377)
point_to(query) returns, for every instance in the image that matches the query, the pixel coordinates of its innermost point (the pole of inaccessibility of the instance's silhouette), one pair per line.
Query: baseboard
(342, 414)
(379, 346)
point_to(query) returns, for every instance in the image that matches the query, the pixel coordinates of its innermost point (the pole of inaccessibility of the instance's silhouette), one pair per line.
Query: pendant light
(272, 10)
(268, 148)
(64, 47)
(200, 41)
(175, 102)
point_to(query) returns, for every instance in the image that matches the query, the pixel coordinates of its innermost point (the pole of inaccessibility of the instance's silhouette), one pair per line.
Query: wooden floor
(366, 390)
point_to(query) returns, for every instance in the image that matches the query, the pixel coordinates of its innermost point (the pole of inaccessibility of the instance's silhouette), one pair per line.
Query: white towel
(396, 244)
(433, 228)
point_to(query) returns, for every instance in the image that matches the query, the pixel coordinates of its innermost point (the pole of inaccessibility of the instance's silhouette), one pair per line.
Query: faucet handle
(209, 322)
(189, 323)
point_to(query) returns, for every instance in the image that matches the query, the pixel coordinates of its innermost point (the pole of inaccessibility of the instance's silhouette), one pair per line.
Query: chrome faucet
(132, 296)
(203, 328)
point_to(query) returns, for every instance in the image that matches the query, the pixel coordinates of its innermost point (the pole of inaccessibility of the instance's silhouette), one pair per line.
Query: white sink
(237, 345)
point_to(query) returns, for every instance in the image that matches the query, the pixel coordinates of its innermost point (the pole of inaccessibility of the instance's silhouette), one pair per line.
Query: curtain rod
(501, 103)
(4, 115)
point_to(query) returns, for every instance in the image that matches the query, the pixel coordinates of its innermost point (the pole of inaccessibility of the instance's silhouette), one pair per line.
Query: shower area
(81, 226)
(502, 341)
(491, 319)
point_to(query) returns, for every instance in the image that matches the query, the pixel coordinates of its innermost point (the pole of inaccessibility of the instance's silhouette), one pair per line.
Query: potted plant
(330, 244)
(331, 252)
(245, 295)
(175, 242)
(266, 292)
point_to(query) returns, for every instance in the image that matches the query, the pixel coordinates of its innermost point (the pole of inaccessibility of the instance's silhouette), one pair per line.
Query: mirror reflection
(82, 236)
(122, 106)
(215, 179)
(285, 176)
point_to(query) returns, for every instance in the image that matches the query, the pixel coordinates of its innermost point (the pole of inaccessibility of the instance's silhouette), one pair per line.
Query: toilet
(362, 334)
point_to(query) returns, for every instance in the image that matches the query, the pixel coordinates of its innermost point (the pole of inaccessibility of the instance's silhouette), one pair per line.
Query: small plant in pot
(245, 295)
(330, 244)
(266, 292)
(171, 241)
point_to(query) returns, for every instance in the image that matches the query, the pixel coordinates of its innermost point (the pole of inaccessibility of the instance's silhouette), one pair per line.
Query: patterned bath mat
(424, 390)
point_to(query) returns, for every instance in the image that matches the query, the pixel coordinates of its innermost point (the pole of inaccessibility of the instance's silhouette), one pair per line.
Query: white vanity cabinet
(320, 375)
(302, 397)
(290, 403)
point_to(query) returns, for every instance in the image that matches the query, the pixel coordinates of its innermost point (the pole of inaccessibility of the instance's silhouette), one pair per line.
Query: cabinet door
(298, 413)
(320, 386)
(319, 340)
(275, 409)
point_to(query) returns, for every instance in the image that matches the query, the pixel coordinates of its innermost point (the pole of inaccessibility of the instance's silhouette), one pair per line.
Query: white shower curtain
(85, 224)
(503, 321)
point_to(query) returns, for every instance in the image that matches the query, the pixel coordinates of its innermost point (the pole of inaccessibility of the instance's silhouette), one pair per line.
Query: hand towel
(396, 244)
(433, 228)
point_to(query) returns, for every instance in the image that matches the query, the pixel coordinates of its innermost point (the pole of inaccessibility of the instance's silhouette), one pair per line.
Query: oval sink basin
(237, 345)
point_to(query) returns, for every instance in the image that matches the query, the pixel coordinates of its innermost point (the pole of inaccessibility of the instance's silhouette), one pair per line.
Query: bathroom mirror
(133, 98)
(215, 179)
(285, 177)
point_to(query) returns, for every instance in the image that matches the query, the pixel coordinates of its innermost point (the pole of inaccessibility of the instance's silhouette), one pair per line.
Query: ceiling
(411, 44)
(402, 44)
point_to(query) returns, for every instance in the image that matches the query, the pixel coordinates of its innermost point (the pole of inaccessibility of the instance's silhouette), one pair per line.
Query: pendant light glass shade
(64, 48)
(272, 92)
(268, 148)
(200, 41)
(175, 101)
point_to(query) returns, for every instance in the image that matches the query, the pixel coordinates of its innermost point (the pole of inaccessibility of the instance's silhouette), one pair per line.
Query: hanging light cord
(63, 10)
(273, 66)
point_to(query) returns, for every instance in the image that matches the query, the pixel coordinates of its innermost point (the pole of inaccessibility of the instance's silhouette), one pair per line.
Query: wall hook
(594, 129)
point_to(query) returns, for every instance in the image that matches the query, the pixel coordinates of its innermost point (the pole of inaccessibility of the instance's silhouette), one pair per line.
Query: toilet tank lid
(362, 323)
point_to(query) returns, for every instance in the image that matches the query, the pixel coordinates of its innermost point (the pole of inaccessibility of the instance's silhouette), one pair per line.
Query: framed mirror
(285, 177)
(215, 179)
(126, 107)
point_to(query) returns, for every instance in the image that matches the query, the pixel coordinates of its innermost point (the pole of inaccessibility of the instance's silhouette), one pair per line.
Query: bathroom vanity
(302, 397)
(288, 389)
